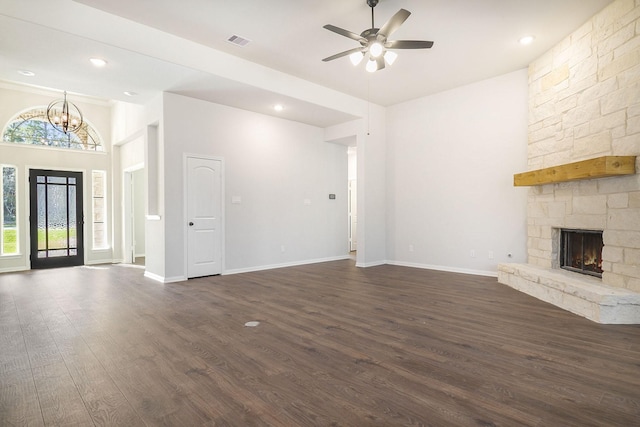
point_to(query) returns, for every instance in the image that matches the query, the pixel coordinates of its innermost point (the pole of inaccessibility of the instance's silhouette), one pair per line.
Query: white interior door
(204, 210)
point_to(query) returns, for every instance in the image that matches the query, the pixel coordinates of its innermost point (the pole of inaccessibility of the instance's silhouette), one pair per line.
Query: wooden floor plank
(336, 345)
(19, 404)
(60, 400)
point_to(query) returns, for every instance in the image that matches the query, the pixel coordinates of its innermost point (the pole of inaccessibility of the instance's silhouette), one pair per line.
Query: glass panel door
(56, 218)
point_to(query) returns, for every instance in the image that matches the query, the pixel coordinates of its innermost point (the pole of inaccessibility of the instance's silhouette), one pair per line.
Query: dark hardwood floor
(336, 345)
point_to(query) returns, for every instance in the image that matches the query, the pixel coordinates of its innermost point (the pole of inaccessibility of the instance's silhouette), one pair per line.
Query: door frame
(82, 226)
(128, 222)
(353, 201)
(185, 213)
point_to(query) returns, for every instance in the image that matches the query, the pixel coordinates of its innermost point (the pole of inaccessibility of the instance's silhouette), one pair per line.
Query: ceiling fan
(374, 41)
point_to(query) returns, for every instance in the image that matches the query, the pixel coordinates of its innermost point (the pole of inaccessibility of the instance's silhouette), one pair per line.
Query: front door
(56, 216)
(204, 210)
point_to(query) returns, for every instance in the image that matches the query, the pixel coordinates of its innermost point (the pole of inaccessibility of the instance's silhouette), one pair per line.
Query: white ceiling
(180, 46)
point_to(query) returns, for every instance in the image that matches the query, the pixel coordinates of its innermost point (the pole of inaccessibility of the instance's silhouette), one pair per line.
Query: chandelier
(64, 116)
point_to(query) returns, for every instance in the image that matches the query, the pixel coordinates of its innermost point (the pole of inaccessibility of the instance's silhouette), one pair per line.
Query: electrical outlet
(282, 248)
(472, 254)
(410, 248)
(490, 254)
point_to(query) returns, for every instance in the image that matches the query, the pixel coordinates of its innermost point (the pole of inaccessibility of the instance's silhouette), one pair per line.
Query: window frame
(105, 212)
(17, 213)
(92, 142)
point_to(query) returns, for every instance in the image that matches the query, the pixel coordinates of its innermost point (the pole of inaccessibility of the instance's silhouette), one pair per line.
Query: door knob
(190, 224)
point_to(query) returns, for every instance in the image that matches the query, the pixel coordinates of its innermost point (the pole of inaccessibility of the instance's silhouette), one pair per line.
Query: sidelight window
(99, 189)
(8, 211)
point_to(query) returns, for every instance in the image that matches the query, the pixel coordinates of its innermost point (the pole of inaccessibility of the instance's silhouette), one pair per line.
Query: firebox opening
(581, 251)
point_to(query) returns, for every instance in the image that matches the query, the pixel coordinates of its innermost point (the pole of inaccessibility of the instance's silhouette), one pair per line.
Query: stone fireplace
(584, 114)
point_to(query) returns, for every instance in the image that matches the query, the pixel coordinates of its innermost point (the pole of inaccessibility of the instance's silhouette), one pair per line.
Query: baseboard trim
(370, 264)
(445, 268)
(13, 269)
(283, 265)
(163, 279)
(101, 261)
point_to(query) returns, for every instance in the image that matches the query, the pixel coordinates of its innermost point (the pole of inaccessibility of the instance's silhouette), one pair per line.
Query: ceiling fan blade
(345, 33)
(408, 44)
(341, 54)
(380, 62)
(393, 23)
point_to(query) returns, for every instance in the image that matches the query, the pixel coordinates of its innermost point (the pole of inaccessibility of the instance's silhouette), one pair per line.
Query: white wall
(450, 191)
(372, 178)
(352, 158)
(273, 165)
(132, 154)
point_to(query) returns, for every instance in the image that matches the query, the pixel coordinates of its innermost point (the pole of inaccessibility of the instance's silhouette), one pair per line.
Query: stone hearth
(579, 294)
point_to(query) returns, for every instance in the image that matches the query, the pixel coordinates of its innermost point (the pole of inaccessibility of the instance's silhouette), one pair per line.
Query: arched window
(31, 127)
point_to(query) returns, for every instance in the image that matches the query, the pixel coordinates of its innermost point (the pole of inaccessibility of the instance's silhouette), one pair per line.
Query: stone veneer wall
(584, 98)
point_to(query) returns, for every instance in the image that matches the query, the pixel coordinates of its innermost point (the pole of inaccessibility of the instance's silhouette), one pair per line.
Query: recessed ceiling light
(26, 73)
(526, 40)
(98, 62)
(129, 93)
(278, 107)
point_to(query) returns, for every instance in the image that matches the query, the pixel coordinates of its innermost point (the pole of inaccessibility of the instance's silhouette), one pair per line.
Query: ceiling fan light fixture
(390, 57)
(374, 41)
(356, 58)
(372, 66)
(376, 49)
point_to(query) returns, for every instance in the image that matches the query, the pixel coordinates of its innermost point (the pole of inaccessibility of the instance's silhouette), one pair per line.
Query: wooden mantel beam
(601, 167)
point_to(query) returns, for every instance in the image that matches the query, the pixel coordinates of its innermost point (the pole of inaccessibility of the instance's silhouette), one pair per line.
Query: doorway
(56, 211)
(134, 225)
(353, 215)
(352, 176)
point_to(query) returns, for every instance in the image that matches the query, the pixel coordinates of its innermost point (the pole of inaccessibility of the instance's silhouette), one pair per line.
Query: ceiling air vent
(238, 41)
